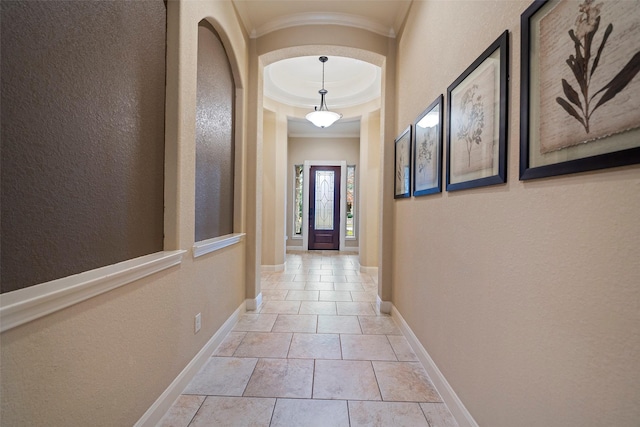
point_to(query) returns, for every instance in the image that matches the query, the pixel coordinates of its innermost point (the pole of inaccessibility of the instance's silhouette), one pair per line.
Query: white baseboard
(383, 306)
(296, 248)
(253, 304)
(279, 267)
(155, 413)
(455, 405)
(373, 271)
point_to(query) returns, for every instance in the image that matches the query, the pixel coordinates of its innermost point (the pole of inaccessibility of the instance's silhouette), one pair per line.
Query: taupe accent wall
(214, 137)
(83, 95)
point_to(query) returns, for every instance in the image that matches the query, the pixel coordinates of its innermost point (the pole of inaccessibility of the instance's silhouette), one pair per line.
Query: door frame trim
(305, 201)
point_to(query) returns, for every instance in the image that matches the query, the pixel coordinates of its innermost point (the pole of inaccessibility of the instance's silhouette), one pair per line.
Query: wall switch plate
(198, 322)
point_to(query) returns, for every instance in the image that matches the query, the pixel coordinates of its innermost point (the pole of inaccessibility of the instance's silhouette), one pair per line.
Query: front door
(324, 207)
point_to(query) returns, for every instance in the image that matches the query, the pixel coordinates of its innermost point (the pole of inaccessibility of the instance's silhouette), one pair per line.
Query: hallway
(315, 353)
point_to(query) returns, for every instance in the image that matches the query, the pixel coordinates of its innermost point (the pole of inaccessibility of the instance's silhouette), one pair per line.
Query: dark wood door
(324, 208)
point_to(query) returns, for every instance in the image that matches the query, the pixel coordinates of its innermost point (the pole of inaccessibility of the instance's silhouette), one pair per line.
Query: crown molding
(302, 19)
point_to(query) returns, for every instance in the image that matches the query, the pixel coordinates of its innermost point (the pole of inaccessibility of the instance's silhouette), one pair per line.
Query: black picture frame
(480, 129)
(427, 150)
(402, 161)
(531, 99)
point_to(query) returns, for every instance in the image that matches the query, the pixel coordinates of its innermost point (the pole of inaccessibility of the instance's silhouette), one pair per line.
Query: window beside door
(351, 203)
(298, 200)
(350, 226)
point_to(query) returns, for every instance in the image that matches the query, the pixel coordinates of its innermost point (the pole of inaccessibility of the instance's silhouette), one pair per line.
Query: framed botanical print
(580, 86)
(403, 164)
(427, 150)
(477, 121)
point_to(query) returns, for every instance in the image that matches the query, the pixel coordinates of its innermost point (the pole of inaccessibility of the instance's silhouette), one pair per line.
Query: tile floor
(316, 353)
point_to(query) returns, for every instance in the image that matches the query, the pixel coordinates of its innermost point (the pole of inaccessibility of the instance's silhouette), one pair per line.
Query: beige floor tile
(307, 278)
(318, 307)
(345, 379)
(281, 378)
(268, 285)
(182, 411)
(331, 278)
(310, 413)
(348, 287)
(262, 344)
(438, 415)
(274, 294)
(315, 346)
(379, 325)
(253, 322)
(280, 307)
(327, 272)
(230, 343)
(317, 342)
(338, 325)
(369, 286)
(364, 296)
(366, 347)
(296, 323)
(234, 411)
(405, 382)
(401, 347)
(355, 308)
(282, 276)
(382, 414)
(335, 296)
(358, 279)
(319, 286)
(291, 286)
(342, 271)
(222, 376)
(302, 296)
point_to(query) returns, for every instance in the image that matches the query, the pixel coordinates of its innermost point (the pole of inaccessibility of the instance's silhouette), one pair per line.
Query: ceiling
(263, 16)
(296, 81)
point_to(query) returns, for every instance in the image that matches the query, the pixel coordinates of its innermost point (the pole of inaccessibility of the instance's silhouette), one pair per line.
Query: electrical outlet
(198, 322)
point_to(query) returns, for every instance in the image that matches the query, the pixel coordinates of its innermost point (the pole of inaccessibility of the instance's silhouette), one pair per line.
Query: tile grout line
(377, 383)
(425, 415)
(273, 411)
(313, 378)
(392, 349)
(197, 410)
(250, 376)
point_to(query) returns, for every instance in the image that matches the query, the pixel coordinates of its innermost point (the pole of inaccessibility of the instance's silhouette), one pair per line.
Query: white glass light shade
(323, 118)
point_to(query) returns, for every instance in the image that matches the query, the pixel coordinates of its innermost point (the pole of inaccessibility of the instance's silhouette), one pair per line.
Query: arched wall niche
(182, 43)
(238, 77)
(215, 137)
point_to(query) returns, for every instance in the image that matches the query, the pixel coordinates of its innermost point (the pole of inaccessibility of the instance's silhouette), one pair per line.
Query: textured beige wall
(369, 178)
(274, 175)
(105, 361)
(526, 294)
(268, 186)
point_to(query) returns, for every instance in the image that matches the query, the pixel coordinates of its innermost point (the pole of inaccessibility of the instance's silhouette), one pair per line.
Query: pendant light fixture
(321, 116)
